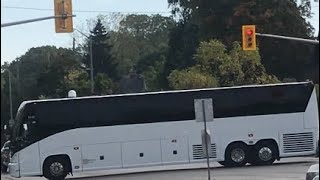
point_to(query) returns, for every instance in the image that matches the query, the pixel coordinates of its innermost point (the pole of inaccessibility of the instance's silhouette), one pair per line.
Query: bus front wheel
(236, 155)
(55, 168)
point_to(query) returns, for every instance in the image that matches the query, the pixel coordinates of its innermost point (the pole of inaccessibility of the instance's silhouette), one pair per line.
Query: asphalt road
(292, 168)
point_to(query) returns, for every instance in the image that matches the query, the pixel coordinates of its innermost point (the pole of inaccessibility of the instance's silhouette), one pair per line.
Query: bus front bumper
(14, 170)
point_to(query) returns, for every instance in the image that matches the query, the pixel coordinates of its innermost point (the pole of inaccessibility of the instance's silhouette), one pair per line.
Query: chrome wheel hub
(56, 169)
(238, 155)
(265, 154)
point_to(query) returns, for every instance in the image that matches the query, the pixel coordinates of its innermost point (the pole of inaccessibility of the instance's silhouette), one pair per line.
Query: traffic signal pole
(34, 20)
(249, 38)
(288, 38)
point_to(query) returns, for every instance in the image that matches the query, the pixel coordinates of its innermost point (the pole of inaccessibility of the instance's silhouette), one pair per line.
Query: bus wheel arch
(236, 154)
(264, 148)
(57, 166)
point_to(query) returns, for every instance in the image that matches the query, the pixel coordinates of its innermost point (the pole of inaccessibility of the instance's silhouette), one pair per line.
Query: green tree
(42, 72)
(152, 67)
(103, 60)
(54, 81)
(213, 58)
(139, 36)
(234, 67)
(3, 82)
(222, 20)
(103, 84)
(253, 70)
(184, 39)
(77, 79)
(191, 78)
(3, 119)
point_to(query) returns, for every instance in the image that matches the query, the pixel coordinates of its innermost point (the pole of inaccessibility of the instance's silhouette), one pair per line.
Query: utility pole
(11, 121)
(10, 96)
(73, 44)
(91, 66)
(18, 79)
(91, 59)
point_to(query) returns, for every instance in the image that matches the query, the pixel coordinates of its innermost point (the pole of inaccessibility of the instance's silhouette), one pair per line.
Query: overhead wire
(87, 11)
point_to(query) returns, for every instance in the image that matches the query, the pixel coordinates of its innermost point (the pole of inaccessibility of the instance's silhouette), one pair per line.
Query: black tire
(264, 153)
(236, 155)
(56, 168)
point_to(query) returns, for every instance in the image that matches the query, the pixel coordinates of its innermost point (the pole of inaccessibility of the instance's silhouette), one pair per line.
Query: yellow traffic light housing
(249, 38)
(63, 9)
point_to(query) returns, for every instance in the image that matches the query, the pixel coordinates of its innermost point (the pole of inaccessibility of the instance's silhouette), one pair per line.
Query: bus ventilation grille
(298, 142)
(199, 154)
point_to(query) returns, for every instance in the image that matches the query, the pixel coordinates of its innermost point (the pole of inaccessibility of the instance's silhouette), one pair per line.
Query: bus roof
(164, 92)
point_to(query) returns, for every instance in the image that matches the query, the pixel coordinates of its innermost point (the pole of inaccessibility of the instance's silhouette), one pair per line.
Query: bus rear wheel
(55, 168)
(264, 153)
(236, 155)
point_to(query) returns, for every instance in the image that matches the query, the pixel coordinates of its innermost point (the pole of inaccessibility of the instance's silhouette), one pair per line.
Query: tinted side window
(144, 109)
(150, 108)
(54, 117)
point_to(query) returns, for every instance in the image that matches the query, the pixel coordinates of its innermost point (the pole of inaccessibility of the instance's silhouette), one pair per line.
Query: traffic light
(63, 9)
(249, 38)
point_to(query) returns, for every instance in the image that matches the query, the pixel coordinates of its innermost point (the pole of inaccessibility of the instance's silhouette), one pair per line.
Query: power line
(87, 11)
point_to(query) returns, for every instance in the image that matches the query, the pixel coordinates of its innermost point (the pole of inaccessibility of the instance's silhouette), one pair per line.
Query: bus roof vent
(72, 94)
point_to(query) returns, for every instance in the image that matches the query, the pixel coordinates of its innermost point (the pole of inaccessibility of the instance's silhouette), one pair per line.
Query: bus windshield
(24, 128)
(18, 119)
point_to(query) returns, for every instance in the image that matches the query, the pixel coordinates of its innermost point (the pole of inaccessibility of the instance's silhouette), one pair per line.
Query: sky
(16, 40)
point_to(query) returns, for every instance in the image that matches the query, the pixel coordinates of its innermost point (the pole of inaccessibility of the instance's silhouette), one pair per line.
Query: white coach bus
(255, 124)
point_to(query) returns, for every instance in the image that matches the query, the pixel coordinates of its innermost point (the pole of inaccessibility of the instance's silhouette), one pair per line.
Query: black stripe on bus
(56, 116)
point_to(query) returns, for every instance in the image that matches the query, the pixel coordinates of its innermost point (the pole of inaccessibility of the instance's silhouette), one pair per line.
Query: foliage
(152, 66)
(103, 60)
(78, 80)
(56, 79)
(212, 57)
(234, 67)
(42, 97)
(40, 71)
(103, 84)
(3, 82)
(182, 45)
(222, 20)
(190, 78)
(139, 36)
(251, 66)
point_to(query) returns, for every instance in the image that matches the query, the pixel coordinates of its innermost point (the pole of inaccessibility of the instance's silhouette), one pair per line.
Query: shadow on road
(185, 168)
